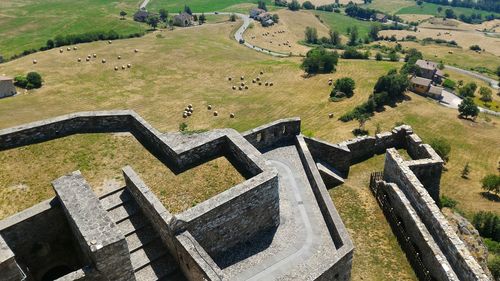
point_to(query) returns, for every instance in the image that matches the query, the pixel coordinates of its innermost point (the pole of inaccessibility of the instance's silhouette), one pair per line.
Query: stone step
(141, 237)
(133, 223)
(163, 268)
(147, 254)
(124, 211)
(114, 199)
(329, 175)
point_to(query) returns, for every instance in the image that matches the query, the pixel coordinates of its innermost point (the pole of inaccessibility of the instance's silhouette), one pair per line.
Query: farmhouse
(256, 12)
(429, 70)
(183, 19)
(380, 17)
(141, 16)
(423, 86)
(7, 88)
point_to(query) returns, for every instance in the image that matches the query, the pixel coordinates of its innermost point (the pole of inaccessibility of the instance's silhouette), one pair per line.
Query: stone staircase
(150, 258)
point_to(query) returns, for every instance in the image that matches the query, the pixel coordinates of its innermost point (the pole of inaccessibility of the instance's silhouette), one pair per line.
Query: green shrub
(450, 84)
(34, 80)
(494, 266)
(21, 81)
(319, 60)
(488, 225)
(447, 202)
(343, 87)
(491, 183)
(442, 147)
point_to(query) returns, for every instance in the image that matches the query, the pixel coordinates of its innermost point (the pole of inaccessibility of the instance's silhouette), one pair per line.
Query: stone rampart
(398, 172)
(278, 132)
(8, 266)
(98, 236)
(336, 156)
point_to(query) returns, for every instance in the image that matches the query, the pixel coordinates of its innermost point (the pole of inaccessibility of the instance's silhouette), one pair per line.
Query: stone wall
(98, 236)
(234, 216)
(398, 172)
(41, 239)
(336, 156)
(424, 254)
(276, 133)
(8, 266)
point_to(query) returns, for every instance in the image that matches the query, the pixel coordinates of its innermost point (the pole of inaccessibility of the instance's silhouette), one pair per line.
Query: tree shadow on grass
(490, 196)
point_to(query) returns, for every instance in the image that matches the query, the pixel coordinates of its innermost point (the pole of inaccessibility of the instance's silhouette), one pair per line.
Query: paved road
(494, 84)
(452, 101)
(144, 4)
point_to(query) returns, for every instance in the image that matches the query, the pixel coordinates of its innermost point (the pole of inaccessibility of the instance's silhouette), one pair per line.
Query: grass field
(341, 23)
(198, 6)
(390, 6)
(29, 24)
(432, 9)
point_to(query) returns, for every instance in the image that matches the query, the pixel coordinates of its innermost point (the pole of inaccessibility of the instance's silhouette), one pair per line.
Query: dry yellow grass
(415, 18)
(328, 2)
(293, 24)
(465, 35)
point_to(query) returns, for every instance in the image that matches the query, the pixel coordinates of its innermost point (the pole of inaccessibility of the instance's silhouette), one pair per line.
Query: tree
(275, 18)
(33, 80)
(466, 171)
(187, 10)
(123, 14)
(353, 36)
(379, 56)
(308, 5)
(440, 9)
(153, 20)
(335, 39)
(393, 84)
(202, 19)
(467, 108)
(491, 183)
(449, 14)
(486, 94)
(319, 60)
(442, 147)
(393, 56)
(468, 90)
(232, 17)
(374, 30)
(50, 44)
(450, 84)
(498, 71)
(163, 15)
(475, 48)
(294, 5)
(262, 5)
(344, 86)
(311, 35)
(494, 266)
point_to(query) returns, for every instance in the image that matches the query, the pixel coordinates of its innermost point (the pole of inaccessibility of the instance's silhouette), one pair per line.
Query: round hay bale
(261, 72)
(260, 83)
(61, 50)
(253, 81)
(246, 87)
(123, 67)
(242, 84)
(209, 107)
(258, 78)
(75, 48)
(242, 78)
(94, 55)
(231, 115)
(229, 78)
(103, 60)
(116, 67)
(119, 57)
(184, 115)
(189, 113)
(240, 88)
(136, 51)
(68, 49)
(109, 42)
(216, 113)
(330, 83)
(35, 62)
(330, 115)
(87, 59)
(234, 87)
(79, 59)
(129, 65)
(186, 109)
(191, 110)
(267, 84)
(271, 84)
(89, 56)
(190, 106)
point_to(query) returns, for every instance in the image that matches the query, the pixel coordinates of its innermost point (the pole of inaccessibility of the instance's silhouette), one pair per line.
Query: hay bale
(94, 55)
(261, 72)
(209, 107)
(103, 60)
(119, 57)
(258, 78)
(190, 106)
(242, 84)
(136, 51)
(109, 42)
(89, 56)
(246, 87)
(123, 67)
(234, 87)
(68, 49)
(229, 78)
(216, 113)
(242, 78)
(330, 83)
(267, 84)
(129, 65)
(231, 115)
(116, 67)
(61, 50)
(189, 113)
(253, 81)
(35, 62)
(330, 115)
(184, 115)
(87, 59)
(240, 88)
(260, 83)
(271, 84)
(186, 109)
(75, 48)
(79, 59)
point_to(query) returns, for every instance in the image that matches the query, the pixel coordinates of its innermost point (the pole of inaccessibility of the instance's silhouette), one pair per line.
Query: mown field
(29, 24)
(341, 23)
(432, 9)
(199, 6)
(175, 68)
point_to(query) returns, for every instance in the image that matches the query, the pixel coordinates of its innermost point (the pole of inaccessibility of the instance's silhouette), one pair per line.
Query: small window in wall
(259, 137)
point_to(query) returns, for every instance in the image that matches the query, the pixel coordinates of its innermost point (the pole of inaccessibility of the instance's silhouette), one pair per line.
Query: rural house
(7, 88)
(423, 86)
(380, 17)
(256, 12)
(429, 70)
(183, 19)
(141, 16)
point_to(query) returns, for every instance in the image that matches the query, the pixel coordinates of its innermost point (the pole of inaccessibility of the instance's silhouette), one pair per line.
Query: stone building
(429, 70)
(256, 12)
(183, 19)
(7, 87)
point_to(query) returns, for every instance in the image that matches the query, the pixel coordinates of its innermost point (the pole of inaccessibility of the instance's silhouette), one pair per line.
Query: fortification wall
(424, 254)
(41, 239)
(8, 266)
(337, 156)
(398, 172)
(276, 133)
(235, 215)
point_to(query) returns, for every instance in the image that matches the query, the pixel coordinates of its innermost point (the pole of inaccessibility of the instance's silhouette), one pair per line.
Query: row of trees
(356, 11)
(485, 5)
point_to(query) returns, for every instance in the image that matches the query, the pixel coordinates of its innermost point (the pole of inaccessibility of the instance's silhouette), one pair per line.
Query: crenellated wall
(275, 133)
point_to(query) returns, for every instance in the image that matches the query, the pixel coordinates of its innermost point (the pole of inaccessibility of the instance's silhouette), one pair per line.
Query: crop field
(390, 6)
(432, 9)
(29, 24)
(199, 6)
